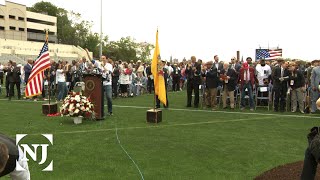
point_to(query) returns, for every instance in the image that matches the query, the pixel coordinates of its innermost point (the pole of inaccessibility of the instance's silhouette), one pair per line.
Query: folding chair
(219, 95)
(202, 95)
(260, 96)
(246, 97)
(307, 100)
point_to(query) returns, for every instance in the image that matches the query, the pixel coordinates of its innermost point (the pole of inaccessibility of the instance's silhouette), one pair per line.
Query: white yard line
(158, 126)
(199, 110)
(226, 112)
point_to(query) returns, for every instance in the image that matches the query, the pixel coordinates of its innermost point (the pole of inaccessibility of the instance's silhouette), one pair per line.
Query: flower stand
(77, 120)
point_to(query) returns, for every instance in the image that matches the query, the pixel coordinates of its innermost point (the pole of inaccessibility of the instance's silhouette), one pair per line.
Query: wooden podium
(94, 90)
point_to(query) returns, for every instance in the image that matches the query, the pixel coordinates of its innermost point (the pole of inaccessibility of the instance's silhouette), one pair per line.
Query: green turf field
(188, 144)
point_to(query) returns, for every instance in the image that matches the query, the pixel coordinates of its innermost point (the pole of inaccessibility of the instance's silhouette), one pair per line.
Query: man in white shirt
(61, 80)
(263, 72)
(107, 82)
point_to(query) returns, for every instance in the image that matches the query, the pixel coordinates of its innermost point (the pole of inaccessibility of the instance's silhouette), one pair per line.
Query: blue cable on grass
(128, 153)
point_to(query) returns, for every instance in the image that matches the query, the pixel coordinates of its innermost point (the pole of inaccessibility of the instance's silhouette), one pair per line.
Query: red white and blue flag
(268, 54)
(35, 82)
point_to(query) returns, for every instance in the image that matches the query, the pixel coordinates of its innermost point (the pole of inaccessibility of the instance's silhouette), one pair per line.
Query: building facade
(17, 23)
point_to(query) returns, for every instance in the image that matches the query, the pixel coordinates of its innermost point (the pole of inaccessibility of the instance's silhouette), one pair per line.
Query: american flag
(35, 81)
(268, 54)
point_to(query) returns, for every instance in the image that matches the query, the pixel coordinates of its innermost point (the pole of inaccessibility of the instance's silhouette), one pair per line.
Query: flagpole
(49, 88)
(100, 52)
(154, 95)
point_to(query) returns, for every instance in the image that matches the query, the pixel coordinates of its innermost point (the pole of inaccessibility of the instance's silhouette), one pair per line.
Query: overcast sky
(207, 27)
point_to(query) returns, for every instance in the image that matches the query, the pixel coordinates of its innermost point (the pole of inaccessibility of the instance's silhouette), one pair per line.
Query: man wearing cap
(210, 73)
(315, 82)
(280, 85)
(247, 81)
(193, 72)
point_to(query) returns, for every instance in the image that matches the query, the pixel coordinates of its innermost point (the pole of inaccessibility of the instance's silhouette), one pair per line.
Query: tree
(92, 41)
(144, 51)
(71, 29)
(65, 31)
(44, 7)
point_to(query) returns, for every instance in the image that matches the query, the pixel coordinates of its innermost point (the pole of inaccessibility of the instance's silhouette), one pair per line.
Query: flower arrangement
(75, 105)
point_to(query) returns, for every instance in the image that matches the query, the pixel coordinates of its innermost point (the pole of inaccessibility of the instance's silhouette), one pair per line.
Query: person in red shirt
(247, 82)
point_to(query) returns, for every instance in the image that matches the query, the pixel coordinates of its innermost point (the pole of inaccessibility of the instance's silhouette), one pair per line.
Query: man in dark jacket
(312, 155)
(115, 79)
(280, 79)
(176, 75)
(193, 72)
(10, 156)
(229, 79)
(27, 70)
(14, 79)
(150, 85)
(210, 73)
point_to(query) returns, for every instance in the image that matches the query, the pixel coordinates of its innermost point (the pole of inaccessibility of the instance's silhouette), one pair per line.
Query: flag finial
(47, 35)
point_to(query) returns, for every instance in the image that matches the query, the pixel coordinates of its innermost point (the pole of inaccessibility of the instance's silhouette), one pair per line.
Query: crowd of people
(208, 80)
(282, 83)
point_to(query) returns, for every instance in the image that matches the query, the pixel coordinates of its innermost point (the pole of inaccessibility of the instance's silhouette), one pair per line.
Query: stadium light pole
(100, 52)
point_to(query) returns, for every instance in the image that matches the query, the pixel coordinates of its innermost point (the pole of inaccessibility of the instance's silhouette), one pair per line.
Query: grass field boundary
(155, 126)
(227, 112)
(201, 110)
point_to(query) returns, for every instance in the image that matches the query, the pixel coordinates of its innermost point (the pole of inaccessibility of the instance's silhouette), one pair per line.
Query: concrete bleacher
(6, 57)
(20, 51)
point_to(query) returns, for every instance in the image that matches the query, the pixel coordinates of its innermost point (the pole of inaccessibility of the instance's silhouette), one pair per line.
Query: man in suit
(280, 85)
(27, 70)
(193, 72)
(219, 67)
(237, 66)
(115, 79)
(247, 82)
(229, 79)
(217, 64)
(7, 83)
(176, 75)
(150, 83)
(14, 79)
(210, 73)
(315, 82)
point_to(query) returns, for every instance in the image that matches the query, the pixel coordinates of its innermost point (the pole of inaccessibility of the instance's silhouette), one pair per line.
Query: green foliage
(127, 49)
(75, 31)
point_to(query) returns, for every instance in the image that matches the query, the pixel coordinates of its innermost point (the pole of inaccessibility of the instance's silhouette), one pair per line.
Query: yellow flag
(158, 74)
